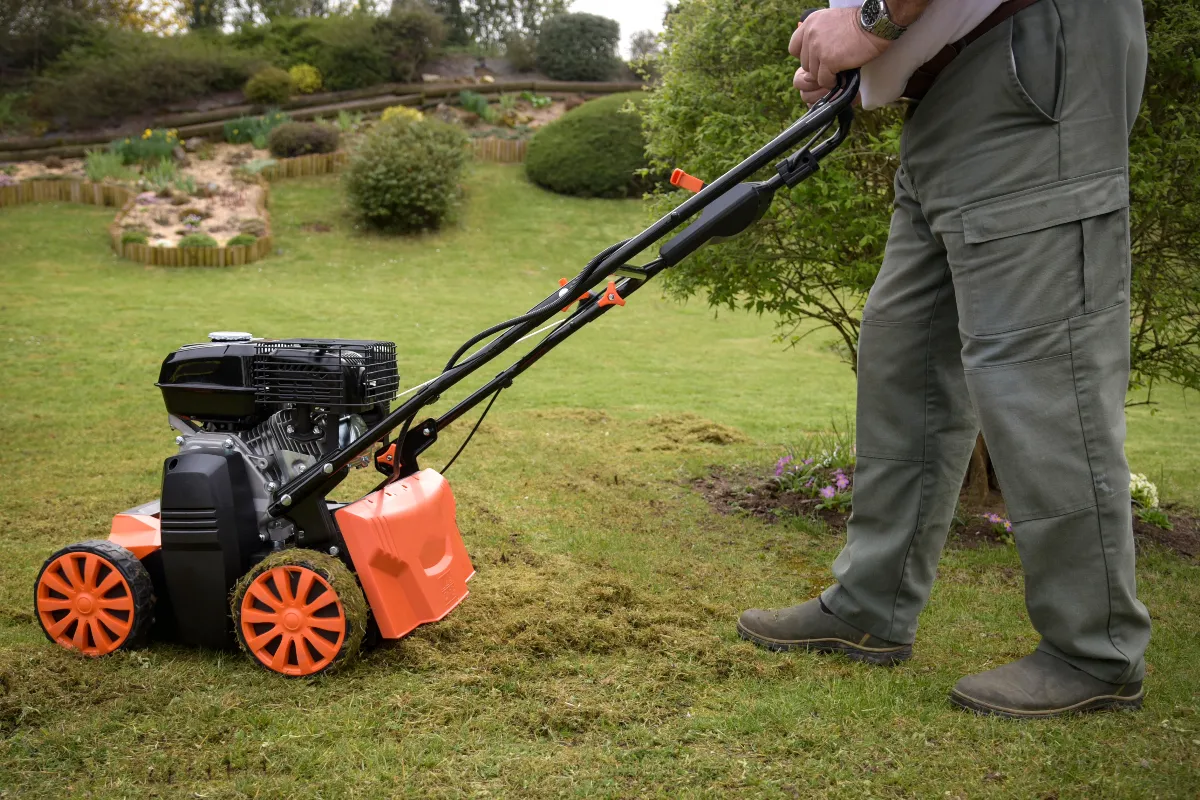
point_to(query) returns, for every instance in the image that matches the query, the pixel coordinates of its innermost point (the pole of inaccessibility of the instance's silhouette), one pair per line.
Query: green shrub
(477, 104)
(306, 78)
(405, 176)
(269, 87)
(246, 130)
(293, 139)
(197, 240)
(536, 100)
(521, 51)
(135, 237)
(579, 47)
(103, 165)
(150, 147)
(160, 176)
(594, 151)
(241, 240)
(119, 73)
(411, 35)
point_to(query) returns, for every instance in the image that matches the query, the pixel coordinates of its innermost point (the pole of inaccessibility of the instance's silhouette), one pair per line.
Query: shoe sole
(1108, 702)
(879, 656)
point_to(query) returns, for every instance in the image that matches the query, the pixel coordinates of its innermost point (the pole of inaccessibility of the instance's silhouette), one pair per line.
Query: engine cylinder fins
(94, 597)
(299, 613)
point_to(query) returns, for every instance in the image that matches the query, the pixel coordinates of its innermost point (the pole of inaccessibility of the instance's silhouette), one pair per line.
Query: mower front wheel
(94, 597)
(299, 613)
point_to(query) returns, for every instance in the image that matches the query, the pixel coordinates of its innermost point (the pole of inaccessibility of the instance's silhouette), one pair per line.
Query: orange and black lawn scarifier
(244, 545)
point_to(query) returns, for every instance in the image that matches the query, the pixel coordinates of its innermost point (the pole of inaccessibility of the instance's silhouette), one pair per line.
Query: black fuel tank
(210, 381)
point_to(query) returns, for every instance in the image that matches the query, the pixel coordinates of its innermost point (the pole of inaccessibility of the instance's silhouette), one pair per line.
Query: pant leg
(915, 432)
(1027, 188)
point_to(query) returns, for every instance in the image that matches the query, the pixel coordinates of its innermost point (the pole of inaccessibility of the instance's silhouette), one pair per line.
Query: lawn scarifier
(243, 539)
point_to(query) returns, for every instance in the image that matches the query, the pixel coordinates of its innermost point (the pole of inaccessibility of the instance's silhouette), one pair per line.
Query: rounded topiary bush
(593, 151)
(197, 240)
(269, 87)
(306, 78)
(293, 139)
(579, 47)
(404, 176)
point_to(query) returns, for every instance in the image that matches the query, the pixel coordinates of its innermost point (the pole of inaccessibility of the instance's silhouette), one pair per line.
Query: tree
(644, 45)
(488, 22)
(205, 14)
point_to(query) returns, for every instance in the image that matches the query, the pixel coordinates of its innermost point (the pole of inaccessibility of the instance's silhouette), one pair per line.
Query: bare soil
(745, 491)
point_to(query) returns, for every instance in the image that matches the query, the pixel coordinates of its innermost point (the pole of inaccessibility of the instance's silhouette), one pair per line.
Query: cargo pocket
(1044, 254)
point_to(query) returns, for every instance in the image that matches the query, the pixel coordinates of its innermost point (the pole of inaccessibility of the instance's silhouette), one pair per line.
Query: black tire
(105, 620)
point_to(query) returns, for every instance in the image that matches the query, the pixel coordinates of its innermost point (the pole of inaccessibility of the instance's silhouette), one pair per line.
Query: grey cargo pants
(1002, 304)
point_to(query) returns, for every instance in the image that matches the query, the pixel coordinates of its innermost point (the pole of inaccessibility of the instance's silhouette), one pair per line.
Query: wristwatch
(874, 18)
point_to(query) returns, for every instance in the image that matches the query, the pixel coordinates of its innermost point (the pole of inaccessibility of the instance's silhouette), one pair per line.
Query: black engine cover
(209, 537)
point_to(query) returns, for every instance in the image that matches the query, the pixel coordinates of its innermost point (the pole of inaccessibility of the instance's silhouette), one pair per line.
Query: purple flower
(781, 464)
(807, 461)
(1008, 526)
(828, 492)
(808, 484)
(841, 480)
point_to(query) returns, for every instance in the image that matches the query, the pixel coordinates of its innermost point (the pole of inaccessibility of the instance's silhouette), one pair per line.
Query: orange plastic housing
(407, 551)
(137, 533)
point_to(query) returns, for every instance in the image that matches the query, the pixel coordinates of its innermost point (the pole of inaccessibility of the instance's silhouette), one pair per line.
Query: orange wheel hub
(85, 603)
(292, 620)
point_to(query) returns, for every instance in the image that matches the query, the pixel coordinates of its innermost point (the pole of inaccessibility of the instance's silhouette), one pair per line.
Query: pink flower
(781, 464)
(842, 481)
(828, 492)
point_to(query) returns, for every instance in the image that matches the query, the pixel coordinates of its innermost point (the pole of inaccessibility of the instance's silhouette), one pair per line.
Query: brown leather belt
(922, 80)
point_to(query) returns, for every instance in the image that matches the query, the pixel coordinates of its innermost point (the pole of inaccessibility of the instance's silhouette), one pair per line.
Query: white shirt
(944, 21)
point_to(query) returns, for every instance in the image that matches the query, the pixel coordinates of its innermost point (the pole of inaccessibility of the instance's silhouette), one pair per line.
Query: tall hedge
(579, 47)
(594, 151)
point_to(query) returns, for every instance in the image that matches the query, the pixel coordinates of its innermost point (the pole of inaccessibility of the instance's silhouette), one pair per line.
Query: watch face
(872, 11)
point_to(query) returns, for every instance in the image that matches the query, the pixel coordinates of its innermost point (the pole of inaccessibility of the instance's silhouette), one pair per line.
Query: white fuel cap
(229, 336)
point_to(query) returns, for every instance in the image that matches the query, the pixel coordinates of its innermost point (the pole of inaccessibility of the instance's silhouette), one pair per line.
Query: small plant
(247, 130)
(1002, 527)
(254, 227)
(349, 122)
(242, 240)
(160, 176)
(536, 100)
(293, 139)
(12, 114)
(824, 473)
(1156, 517)
(102, 165)
(152, 146)
(197, 240)
(508, 102)
(401, 112)
(135, 237)
(52, 162)
(255, 167)
(269, 87)
(186, 184)
(477, 104)
(306, 78)
(192, 221)
(1143, 492)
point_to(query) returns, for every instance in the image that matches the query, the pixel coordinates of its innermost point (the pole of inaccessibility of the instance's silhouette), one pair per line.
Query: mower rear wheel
(299, 613)
(94, 597)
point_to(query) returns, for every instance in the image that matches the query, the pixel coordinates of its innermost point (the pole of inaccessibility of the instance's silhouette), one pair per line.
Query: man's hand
(828, 42)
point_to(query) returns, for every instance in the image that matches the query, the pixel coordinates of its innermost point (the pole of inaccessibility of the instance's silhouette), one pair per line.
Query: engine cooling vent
(334, 373)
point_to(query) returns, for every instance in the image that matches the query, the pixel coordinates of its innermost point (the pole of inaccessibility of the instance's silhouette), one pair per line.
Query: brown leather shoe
(811, 626)
(1041, 685)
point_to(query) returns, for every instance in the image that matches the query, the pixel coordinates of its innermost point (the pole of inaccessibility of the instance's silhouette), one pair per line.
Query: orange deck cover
(407, 551)
(137, 533)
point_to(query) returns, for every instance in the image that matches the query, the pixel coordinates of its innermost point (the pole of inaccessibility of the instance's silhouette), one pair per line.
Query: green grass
(596, 654)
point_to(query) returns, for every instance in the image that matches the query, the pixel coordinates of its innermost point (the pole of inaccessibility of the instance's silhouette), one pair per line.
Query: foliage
(13, 113)
(118, 73)
(1156, 517)
(487, 23)
(251, 168)
(197, 240)
(644, 44)
(404, 176)
(402, 112)
(306, 78)
(536, 100)
(105, 165)
(579, 47)
(153, 145)
(242, 240)
(1001, 527)
(1142, 491)
(477, 104)
(185, 184)
(269, 87)
(349, 121)
(1165, 204)
(816, 253)
(246, 130)
(135, 237)
(521, 51)
(821, 469)
(159, 176)
(293, 139)
(597, 150)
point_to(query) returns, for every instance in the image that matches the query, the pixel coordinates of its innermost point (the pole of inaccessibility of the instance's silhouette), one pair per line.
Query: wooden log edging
(500, 151)
(304, 166)
(377, 98)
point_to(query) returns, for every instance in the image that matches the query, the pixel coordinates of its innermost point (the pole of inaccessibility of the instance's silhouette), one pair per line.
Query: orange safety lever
(582, 297)
(684, 181)
(611, 296)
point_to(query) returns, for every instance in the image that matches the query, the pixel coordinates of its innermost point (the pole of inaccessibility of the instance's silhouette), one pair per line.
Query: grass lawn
(596, 654)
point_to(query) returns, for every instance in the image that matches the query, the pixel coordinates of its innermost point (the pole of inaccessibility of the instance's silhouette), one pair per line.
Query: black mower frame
(727, 206)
